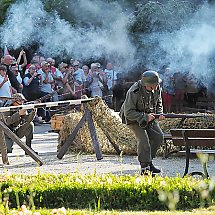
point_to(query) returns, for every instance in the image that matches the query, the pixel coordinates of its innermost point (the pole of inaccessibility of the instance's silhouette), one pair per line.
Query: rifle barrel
(182, 116)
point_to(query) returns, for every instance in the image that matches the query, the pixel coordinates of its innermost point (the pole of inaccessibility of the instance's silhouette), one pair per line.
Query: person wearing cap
(46, 86)
(79, 79)
(62, 77)
(143, 100)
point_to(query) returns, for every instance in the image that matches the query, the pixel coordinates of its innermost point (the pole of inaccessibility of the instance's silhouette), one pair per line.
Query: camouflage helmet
(19, 96)
(150, 78)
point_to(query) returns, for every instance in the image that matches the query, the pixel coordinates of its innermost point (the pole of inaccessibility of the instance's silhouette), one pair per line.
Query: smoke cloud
(101, 31)
(28, 23)
(191, 49)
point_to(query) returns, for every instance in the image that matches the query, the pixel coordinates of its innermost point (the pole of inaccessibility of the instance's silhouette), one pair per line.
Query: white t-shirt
(59, 74)
(46, 87)
(111, 77)
(5, 89)
(19, 78)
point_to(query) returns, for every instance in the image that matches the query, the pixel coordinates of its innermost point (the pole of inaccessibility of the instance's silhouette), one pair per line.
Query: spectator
(5, 86)
(15, 69)
(192, 90)
(110, 76)
(180, 87)
(21, 66)
(8, 59)
(36, 61)
(46, 85)
(51, 61)
(88, 79)
(62, 81)
(79, 79)
(32, 82)
(168, 90)
(95, 83)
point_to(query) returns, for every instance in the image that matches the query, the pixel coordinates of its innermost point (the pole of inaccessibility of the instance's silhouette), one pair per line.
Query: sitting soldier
(20, 122)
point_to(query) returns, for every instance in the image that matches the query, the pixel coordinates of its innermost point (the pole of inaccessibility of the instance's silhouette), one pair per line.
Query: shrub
(107, 191)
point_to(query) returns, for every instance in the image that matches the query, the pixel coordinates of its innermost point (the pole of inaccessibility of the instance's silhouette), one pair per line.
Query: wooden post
(71, 137)
(93, 135)
(3, 148)
(16, 139)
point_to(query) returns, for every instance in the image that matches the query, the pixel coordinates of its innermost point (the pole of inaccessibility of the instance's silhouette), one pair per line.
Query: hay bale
(110, 129)
(82, 141)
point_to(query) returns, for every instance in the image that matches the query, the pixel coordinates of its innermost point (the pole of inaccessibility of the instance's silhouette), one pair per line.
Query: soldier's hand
(150, 117)
(22, 112)
(161, 117)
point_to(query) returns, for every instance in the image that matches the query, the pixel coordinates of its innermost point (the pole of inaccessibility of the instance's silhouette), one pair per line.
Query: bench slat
(195, 142)
(201, 133)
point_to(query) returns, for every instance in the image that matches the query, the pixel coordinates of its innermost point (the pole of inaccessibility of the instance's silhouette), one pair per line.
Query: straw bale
(110, 129)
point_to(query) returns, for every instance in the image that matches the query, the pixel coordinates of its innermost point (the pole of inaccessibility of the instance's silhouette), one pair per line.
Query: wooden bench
(195, 138)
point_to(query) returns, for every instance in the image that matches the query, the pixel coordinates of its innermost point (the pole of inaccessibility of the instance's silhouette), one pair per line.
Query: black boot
(154, 169)
(146, 171)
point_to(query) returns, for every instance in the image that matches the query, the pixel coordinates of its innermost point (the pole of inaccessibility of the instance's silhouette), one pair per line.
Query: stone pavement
(45, 143)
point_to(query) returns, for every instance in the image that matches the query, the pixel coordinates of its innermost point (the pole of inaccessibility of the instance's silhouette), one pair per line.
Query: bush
(107, 192)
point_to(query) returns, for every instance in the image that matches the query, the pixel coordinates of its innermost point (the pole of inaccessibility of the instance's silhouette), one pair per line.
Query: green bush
(107, 192)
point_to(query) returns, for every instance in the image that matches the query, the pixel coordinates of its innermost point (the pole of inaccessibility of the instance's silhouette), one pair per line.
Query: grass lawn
(62, 211)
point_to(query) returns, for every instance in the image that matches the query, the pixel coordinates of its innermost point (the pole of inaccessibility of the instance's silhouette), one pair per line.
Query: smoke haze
(104, 34)
(27, 23)
(190, 49)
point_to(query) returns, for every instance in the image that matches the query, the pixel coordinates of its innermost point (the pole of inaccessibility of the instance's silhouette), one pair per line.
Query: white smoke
(189, 49)
(28, 23)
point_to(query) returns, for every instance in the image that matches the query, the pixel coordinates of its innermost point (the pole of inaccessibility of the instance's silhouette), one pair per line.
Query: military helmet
(150, 78)
(19, 96)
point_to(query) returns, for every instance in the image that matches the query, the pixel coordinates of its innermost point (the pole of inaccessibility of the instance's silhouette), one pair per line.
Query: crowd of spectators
(180, 87)
(41, 78)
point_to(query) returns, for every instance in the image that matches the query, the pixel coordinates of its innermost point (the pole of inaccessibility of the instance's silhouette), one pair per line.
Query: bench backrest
(194, 137)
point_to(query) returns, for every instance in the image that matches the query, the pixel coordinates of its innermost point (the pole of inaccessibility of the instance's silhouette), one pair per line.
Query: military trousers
(149, 140)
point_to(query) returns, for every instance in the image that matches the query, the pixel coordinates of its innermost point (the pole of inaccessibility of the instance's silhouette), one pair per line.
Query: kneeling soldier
(20, 122)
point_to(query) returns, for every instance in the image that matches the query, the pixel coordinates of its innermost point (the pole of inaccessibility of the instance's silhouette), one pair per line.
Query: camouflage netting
(110, 129)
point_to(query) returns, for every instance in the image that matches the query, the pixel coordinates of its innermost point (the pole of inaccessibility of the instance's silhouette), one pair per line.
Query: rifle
(181, 116)
(8, 98)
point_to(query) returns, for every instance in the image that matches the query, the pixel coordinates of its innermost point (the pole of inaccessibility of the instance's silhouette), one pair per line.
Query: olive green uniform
(21, 126)
(134, 112)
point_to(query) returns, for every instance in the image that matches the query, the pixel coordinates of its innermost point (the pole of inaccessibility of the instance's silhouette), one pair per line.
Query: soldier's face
(152, 87)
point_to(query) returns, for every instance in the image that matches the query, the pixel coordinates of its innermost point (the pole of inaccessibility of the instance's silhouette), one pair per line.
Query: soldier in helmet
(143, 99)
(20, 122)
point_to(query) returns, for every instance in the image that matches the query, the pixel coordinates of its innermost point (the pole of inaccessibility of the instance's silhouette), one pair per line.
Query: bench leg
(205, 170)
(187, 160)
(165, 154)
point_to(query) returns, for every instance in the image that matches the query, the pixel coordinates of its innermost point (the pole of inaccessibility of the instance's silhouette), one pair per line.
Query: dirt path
(46, 144)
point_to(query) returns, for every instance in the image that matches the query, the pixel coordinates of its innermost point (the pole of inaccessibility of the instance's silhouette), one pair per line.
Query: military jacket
(14, 120)
(139, 103)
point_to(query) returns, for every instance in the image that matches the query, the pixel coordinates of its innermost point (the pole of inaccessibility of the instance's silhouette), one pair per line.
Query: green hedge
(107, 192)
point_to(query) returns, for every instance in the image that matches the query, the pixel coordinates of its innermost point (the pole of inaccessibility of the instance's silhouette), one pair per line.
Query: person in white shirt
(5, 85)
(110, 79)
(79, 79)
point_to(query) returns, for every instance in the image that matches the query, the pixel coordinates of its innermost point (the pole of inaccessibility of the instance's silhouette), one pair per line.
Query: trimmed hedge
(107, 191)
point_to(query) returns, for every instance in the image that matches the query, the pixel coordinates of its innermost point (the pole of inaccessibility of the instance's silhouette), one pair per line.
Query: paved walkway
(46, 144)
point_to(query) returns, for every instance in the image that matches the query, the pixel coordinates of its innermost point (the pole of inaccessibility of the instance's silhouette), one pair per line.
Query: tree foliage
(4, 4)
(155, 16)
